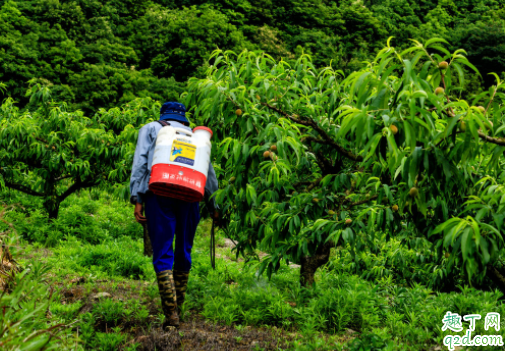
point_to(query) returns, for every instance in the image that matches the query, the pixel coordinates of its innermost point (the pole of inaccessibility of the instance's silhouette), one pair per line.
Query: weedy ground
(105, 290)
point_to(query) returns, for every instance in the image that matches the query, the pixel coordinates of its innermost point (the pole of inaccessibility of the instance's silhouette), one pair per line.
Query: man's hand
(139, 210)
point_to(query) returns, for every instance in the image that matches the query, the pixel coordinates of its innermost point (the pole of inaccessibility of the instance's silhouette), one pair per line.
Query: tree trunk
(496, 277)
(52, 207)
(148, 249)
(53, 214)
(309, 265)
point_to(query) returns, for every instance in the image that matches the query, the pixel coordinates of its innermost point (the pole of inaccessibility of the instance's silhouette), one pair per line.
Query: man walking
(166, 217)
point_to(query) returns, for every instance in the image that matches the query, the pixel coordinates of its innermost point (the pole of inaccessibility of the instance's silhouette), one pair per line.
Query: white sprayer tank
(181, 163)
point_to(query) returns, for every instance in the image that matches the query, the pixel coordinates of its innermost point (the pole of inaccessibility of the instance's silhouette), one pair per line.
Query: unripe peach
(439, 90)
(413, 192)
(395, 208)
(266, 154)
(348, 221)
(238, 112)
(443, 65)
(273, 147)
(394, 129)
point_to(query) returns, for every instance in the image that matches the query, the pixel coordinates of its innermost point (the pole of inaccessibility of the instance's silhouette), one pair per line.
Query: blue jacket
(143, 160)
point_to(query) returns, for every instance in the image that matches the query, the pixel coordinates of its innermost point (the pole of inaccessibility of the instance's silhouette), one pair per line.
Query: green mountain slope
(98, 54)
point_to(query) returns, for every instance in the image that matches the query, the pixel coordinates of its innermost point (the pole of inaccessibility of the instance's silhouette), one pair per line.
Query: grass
(96, 247)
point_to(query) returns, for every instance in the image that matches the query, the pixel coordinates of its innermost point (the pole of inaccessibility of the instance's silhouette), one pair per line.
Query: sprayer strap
(163, 123)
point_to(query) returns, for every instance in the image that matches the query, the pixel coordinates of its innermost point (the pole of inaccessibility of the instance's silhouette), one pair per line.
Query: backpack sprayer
(181, 163)
(180, 166)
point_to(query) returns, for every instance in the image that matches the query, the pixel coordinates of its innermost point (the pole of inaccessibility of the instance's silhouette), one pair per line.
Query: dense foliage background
(100, 53)
(347, 155)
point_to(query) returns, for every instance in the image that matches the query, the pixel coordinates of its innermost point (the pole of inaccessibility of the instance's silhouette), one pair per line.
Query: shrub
(109, 341)
(24, 325)
(121, 257)
(76, 222)
(108, 311)
(65, 312)
(117, 219)
(367, 342)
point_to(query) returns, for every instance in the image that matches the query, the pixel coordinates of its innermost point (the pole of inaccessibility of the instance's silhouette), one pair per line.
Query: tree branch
(32, 163)
(42, 140)
(497, 141)
(311, 123)
(61, 178)
(361, 202)
(90, 184)
(487, 138)
(496, 276)
(327, 165)
(311, 185)
(492, 98)
(445, 88)
(73, 188)
(23, 189)
(76, 186)
(306, 182)
(339, 148)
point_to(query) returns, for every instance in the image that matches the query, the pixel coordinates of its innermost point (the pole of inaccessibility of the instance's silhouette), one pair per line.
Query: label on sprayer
(183, 153)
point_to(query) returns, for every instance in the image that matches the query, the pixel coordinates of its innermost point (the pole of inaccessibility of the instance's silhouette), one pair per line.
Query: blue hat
(173, 110)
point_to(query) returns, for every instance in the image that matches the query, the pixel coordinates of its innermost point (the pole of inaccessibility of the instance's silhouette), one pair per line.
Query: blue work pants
(166, 217)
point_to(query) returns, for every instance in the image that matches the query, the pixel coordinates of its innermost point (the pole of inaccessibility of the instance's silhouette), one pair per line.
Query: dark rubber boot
(168, 298)
(181, 283)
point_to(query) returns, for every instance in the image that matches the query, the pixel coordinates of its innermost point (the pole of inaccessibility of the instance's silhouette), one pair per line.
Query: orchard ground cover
(104, 290)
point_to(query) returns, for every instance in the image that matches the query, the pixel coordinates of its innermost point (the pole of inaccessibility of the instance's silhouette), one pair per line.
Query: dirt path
(198, 334)
(195, 333)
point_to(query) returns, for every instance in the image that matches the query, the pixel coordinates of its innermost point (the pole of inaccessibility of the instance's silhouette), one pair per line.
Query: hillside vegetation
(100, 53)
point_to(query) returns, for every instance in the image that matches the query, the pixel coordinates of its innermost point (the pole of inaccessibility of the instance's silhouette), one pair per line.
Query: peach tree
(50, 152)
(315, 159)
